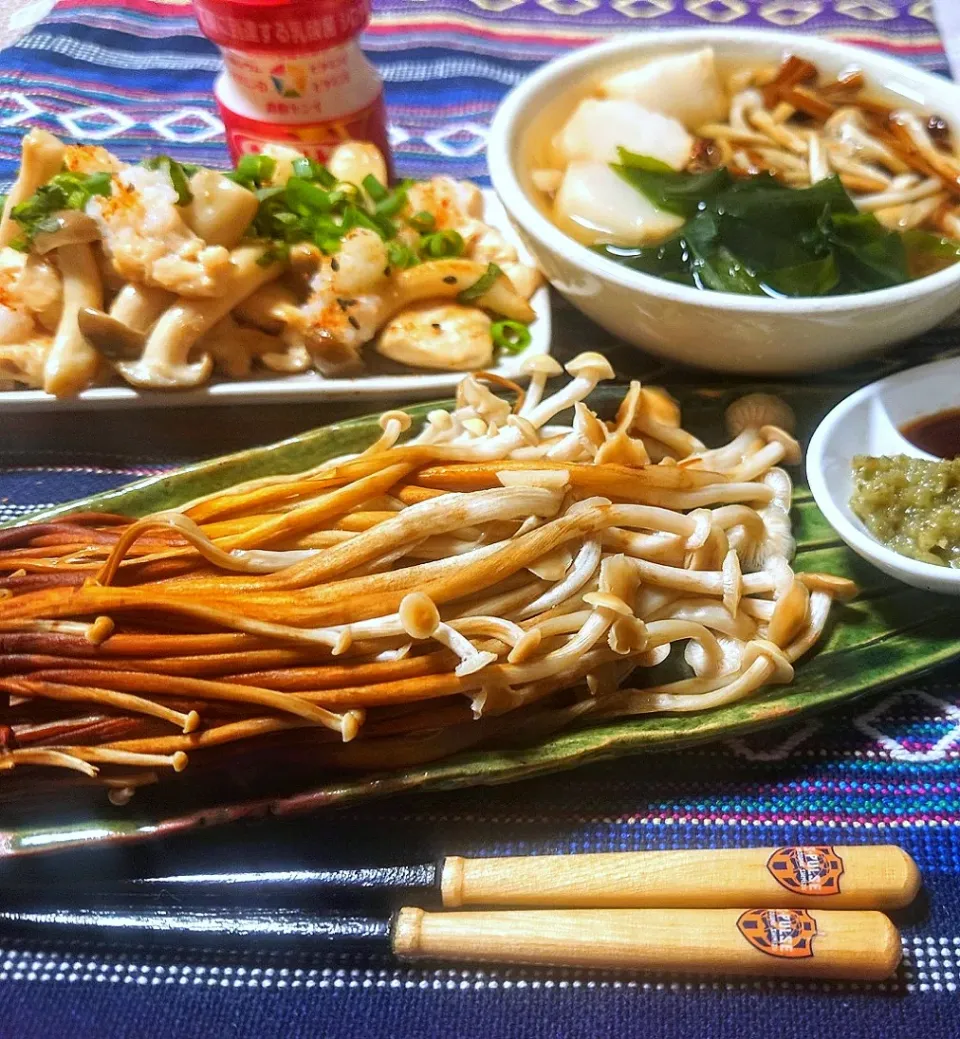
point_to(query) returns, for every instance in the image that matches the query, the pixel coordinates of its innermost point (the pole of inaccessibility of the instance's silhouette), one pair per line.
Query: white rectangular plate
(263, 388)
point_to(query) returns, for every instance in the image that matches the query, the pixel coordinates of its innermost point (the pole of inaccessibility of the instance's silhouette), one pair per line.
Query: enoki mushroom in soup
(509, 568)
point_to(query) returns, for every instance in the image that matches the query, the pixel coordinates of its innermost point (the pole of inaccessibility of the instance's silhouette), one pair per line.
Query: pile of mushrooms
(511, 569)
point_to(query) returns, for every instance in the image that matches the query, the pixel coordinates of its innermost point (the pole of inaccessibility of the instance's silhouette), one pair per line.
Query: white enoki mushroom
(421, 620)
(580, 572)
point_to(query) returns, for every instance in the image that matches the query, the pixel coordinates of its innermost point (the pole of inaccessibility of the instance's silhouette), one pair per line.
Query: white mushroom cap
(400, 417)
(588, 426)
(526, 647)
(525, 428)
(760, 649)
(627, 635)
(789, 615)
(590, 365)
(350, 723)
(839, 587)
(419, 615)
(759, 409)
(440, 418)
(791, 449)
(541, 364)
(608, 601)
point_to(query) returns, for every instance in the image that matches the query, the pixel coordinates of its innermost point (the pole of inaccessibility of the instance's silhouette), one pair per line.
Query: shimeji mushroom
(540, 368)
(138, 306)
(41, 159)
(72, 362)
(165, 362)
(69, 227)
(114, 339)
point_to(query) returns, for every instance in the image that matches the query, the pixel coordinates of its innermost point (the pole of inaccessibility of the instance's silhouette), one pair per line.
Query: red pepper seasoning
(294, 74)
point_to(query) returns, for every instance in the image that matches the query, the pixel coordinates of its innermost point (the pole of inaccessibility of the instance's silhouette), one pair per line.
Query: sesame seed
(354, 322)
(450, 279)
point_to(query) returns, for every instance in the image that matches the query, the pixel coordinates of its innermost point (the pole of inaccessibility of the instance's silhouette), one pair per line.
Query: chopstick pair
(736, 911)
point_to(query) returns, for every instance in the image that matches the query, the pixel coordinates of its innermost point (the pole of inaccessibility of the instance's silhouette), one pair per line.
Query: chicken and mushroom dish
(160, 273)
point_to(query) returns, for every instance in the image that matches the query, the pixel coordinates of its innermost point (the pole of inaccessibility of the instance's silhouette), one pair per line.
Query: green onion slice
(423, 222)
(377, 191)
(482, 285)
(391, 204)
(176, 173)
(442, 245)
(401, 256)
(253, 170)
(511, 336)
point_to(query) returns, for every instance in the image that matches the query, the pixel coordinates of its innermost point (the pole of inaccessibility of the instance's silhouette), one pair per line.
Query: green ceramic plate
(889, 633)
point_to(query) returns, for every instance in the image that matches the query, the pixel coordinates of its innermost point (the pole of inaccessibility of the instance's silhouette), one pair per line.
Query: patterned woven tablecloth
(136, 75)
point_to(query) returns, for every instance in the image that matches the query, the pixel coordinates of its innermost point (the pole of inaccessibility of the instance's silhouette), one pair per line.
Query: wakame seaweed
(754, 236)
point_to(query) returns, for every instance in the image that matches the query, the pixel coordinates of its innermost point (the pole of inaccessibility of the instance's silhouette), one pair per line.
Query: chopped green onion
(357, 217)
(482, 285)
(329, 225)
(253, 170)
(324, 176)
(391, 204)
(377, 191)
(306, 198)
(96, 184)
(307, 169)
(64, 191)
(176, 173)
(401, 256)
(423, 222)
(344, 191)
(441, 245)
(511, 336)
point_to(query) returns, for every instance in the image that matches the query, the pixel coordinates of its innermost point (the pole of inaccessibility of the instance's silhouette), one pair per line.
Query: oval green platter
(889, 633)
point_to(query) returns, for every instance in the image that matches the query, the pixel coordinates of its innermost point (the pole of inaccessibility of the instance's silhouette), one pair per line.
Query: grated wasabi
(910, 505)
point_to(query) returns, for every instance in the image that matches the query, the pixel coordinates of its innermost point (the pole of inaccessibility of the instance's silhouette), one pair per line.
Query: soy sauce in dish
(937, 434)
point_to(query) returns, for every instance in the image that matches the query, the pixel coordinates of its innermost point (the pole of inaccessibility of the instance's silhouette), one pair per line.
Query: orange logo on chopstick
(786, 933)
(807, 870)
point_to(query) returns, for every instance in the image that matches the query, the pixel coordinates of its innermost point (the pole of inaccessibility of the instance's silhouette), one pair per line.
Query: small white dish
(718, 330)
(868, 422)
(263, 388)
